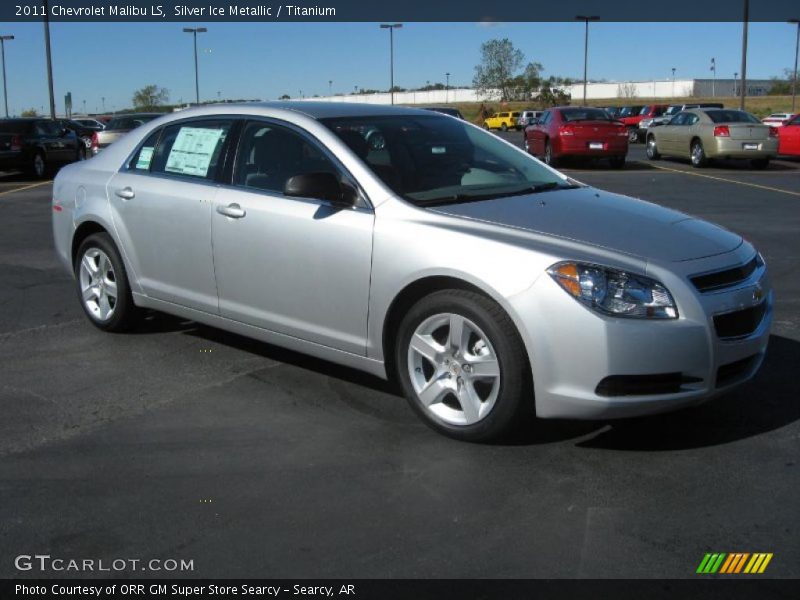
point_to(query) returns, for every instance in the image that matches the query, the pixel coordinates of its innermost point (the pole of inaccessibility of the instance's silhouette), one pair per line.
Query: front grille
(727, 278)
(642, 385)
(730, 373)
(740, 323)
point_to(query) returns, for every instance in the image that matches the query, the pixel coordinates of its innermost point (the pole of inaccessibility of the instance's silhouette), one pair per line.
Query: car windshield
(431, 159)
(629, 111)
(584, 114)
(129, 122)
(672, 110)
(731, 116)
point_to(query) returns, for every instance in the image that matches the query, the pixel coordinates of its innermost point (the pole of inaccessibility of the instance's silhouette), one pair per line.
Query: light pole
(673, 83)
(714, 75)
(6, 38)
(194, 31)
(49, 60)
(391, 27)
(330, 87)
(586, 19)
(447, 88)
(743, 87)
(735, 75)
(796, 51)
(103, 100)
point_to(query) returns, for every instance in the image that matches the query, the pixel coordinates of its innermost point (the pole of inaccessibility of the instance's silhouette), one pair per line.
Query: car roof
(328, 110)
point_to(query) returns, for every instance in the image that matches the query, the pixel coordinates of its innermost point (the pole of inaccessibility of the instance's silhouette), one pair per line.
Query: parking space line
(25, 187)
(755, 185)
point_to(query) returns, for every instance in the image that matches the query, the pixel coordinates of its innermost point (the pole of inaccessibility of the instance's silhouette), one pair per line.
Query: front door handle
(125, 193)
(232, 210)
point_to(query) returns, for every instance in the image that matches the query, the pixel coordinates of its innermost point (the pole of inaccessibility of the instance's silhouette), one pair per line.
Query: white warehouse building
(662, 90)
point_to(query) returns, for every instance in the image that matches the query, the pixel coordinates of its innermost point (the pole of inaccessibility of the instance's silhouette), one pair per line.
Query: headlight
(613, 292)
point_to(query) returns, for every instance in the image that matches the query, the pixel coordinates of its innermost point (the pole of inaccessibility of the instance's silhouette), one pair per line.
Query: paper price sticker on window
(145, 156)
(193, 150)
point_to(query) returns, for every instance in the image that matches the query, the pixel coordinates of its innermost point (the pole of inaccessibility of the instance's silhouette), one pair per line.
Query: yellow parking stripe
(25, 187)
(755, 185)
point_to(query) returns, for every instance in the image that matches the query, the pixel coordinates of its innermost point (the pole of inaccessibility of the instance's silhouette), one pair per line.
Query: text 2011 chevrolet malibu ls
(411, 244)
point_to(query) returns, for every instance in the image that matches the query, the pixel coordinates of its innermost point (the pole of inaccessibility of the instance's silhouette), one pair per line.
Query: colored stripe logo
(734, 563)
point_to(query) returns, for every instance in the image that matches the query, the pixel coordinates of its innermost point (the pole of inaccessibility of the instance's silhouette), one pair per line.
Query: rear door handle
(232, 210)
(125, 193)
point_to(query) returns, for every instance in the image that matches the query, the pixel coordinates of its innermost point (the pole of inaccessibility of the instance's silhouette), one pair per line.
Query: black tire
(126, 314)
(759, 163)
(617, 162)
(698, 155)
(503, 127)
(548, 154)
(651, 149)
(514, 406)
(38, 167)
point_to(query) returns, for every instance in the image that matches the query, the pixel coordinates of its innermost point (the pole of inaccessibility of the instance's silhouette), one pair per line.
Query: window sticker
(145, 156)
(192, 151)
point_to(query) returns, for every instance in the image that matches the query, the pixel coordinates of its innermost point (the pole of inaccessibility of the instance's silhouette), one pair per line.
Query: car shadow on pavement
(577, 164)
(766, 403)
(730, 165)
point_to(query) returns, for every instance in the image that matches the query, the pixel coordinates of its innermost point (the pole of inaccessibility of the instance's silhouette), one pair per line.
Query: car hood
(606, 220)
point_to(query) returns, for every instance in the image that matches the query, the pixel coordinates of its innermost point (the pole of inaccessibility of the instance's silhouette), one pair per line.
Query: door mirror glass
(319, 185)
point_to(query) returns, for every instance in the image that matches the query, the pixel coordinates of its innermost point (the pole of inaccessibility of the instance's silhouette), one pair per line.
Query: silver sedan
(415, 246)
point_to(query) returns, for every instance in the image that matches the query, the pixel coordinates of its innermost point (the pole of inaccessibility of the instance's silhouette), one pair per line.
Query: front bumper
(574, 350)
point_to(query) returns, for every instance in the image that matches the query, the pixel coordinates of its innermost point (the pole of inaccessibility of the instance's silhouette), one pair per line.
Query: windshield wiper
(532, 189)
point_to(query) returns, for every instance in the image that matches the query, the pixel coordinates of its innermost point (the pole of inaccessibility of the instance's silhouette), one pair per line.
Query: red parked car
(789, 137)
(632, 121)
(577, 131)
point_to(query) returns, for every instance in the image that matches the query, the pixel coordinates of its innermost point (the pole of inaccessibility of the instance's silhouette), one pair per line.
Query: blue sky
(265, 60)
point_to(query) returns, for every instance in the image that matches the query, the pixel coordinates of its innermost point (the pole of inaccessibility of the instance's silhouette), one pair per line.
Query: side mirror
(321, 185)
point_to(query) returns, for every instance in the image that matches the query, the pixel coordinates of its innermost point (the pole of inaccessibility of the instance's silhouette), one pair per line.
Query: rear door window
(190, 149)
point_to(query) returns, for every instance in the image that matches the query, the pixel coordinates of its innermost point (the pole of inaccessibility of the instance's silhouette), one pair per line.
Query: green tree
(150, 96)
(285, 97)
(29, 112)
(782, 86)
(500, 61)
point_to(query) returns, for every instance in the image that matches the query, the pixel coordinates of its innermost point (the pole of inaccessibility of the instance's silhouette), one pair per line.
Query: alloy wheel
(98, 284)
(38, 165)
(454, 369)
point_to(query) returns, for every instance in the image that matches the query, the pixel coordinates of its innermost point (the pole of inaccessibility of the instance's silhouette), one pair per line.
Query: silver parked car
(490, 285)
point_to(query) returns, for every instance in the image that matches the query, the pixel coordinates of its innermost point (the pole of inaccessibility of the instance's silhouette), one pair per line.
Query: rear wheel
(463, 366)
(652, 149)
(549, 158)
(102, 284)
(503, 127)
(699, 159)
(759, 163)
(38, 166)
(617, 162)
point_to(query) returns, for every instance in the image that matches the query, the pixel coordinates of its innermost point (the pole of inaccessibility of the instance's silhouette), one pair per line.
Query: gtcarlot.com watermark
(44, 563)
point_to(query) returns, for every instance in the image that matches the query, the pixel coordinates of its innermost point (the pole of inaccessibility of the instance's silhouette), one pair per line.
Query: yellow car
(502, 121)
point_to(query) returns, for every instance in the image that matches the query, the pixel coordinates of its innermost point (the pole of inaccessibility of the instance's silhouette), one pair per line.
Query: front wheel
(463, 367)
(633, 135)
(38, 166)
(102, 283)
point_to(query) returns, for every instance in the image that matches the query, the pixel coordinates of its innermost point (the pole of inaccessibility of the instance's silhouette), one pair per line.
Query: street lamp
(586, 19)
(447, 88)
(194, 31)
(714, 80)
(735, 75)
(673, 83)
(6, 38)
(796, 51)
(330, 87)
(391, 27)
(743, 86)
(103, 100)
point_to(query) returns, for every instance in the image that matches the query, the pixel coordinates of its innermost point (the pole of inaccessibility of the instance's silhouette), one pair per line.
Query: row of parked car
(700, 132)
(39, 145)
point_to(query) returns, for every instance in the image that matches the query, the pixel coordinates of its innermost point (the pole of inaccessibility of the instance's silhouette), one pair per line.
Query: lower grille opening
(740, 323)
(643, 385)
(730, 373)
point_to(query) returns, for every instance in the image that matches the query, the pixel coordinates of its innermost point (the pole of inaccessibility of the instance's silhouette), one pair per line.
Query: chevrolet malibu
(489, 285)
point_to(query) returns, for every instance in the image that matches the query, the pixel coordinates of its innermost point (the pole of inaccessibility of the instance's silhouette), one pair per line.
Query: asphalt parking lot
(182, 441)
